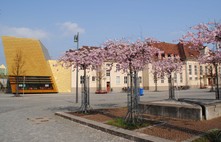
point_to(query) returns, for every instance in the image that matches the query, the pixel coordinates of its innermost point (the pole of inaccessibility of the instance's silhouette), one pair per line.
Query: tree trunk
(85, 98)
(155, 81)
(17, 87)
(132, 114)
(99, 81)
(211, 72)
(217, 83)
(131, 96)
(171, 88)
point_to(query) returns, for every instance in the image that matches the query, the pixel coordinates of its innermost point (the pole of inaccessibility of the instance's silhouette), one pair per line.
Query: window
(108, 65)
(195, 70)
(162, 79)
(154, 78)
(219, 70)
(117, 67)
(140, 79)
(157, 55)
(201, 70)
(125, 79)
(117, 79)
(190, 78)
(107, 72)
(175, 78)
(190, 70)
(181, 77)
(81, 79)
(196, 78)
(81, 68)
(93, 78)
(163, 55)
(206, 70)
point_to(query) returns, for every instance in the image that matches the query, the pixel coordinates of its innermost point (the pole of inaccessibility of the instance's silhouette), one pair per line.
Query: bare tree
(101, 76)
(18, 69)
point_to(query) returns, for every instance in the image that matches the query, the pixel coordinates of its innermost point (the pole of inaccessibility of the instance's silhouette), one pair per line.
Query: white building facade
(193, 74)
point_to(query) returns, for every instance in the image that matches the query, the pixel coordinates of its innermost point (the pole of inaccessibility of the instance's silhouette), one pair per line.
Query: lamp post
(76, 39)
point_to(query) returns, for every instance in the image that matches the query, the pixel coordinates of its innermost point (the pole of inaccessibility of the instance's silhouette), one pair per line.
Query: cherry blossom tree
(156, 66)
(156, 69)
(132, 57)
(167, 66)
(214, 59)
(85, 58)
(202, 35)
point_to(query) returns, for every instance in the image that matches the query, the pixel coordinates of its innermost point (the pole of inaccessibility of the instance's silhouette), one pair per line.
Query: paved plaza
(31, 118)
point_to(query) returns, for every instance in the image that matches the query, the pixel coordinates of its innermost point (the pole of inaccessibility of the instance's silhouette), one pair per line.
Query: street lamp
(76, 39)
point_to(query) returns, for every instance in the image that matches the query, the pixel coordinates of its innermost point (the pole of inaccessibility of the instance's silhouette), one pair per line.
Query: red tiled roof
(187, 53)
(184, 52)
(168, 48)
(191, 52)
(178, 49)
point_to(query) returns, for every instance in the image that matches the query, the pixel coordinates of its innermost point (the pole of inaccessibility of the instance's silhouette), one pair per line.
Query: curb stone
(131, 135)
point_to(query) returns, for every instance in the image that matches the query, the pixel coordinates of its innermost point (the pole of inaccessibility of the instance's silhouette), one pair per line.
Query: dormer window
(163, 55)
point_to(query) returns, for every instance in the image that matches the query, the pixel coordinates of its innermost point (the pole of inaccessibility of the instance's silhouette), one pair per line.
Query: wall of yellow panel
(32, 54)
(62, 76)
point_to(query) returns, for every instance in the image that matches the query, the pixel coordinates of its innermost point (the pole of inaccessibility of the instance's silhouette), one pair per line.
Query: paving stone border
(131, 135)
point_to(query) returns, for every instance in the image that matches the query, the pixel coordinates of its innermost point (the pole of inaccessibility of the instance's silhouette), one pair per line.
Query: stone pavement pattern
(20, 121)
(31, 118)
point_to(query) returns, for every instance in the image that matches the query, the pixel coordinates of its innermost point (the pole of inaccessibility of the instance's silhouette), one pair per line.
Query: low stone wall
(212, 111)
(211, 108)
(173, 109)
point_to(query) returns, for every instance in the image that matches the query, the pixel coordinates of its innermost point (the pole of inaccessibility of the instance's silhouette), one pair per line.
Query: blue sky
(55, 22)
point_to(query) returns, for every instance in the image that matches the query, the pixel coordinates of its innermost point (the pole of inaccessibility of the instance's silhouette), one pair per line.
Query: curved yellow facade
(34, 73)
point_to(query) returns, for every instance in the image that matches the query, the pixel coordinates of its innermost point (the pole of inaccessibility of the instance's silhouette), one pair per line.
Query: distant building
(110, 80)
(3, 70)
(193, 75)
(40, 74)
(3, 77)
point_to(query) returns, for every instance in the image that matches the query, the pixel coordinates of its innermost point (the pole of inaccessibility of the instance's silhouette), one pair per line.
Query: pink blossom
(128, 55)
(85, 57)
(211, 58)
(202, 34)
(166, 66)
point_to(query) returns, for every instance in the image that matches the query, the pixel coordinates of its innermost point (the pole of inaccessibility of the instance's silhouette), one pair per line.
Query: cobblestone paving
(31, 118)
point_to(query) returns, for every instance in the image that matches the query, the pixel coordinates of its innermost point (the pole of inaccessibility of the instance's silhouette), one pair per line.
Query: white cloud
(23, 32)
(70, 28)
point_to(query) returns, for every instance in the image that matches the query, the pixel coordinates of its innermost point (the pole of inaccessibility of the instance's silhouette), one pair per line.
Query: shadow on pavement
(66, 108)
(106, 105)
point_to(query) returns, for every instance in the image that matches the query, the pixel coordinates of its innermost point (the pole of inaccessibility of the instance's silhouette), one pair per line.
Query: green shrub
(212, 136)
(121, 123)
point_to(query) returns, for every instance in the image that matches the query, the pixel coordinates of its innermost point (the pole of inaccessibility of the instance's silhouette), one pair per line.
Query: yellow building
(62, 76)
(27, 64)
